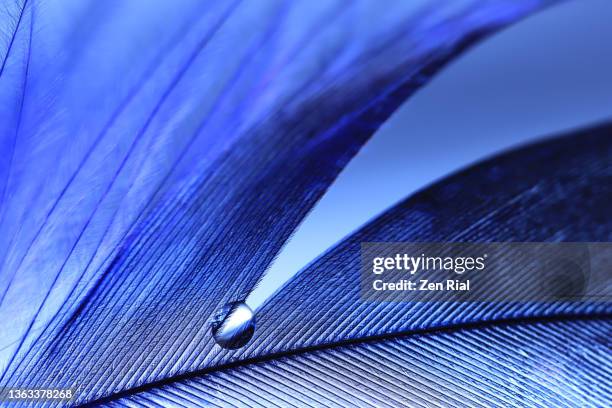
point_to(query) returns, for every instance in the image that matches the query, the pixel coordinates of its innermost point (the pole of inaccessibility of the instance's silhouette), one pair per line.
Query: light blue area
(547, 74)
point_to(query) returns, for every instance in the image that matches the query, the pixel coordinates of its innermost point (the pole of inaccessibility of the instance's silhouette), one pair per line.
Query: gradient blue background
(544, 75)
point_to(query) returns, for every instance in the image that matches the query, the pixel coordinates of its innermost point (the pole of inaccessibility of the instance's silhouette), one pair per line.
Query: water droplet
(233, 326)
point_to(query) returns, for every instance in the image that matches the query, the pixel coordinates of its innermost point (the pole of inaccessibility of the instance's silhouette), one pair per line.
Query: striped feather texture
(541, 364)
(147, 186)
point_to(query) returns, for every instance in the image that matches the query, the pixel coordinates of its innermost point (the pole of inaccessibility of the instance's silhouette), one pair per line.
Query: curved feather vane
(149, 185)
(557, 190)
(543, 364)
(319, 344)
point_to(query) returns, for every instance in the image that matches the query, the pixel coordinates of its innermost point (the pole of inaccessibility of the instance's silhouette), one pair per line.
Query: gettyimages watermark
(461, 272)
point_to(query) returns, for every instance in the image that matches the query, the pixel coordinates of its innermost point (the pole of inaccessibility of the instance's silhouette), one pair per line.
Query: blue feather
(160, 157)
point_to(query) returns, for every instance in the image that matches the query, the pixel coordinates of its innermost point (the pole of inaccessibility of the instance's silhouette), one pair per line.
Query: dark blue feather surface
(557, 190)
(542, 364)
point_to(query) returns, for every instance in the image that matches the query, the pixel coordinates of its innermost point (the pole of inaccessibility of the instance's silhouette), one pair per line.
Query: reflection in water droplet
(233, 325)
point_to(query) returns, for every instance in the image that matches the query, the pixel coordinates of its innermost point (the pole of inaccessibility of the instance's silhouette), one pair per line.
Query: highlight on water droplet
(234, 325)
